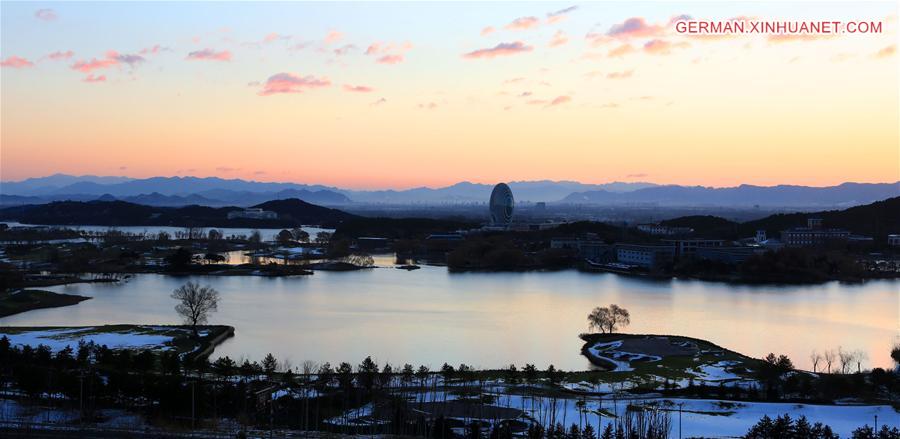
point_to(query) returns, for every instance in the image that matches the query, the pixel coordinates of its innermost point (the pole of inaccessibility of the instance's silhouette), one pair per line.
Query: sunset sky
(395, 95)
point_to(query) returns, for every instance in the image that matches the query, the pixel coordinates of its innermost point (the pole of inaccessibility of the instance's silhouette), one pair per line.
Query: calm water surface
(430, 316)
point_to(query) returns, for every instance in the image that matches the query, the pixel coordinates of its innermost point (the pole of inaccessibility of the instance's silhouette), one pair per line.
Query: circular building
(501, 206)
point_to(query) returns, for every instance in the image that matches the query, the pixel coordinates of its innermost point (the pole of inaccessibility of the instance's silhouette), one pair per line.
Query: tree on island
(195, 303)
(284, 237)
(608, 319)
(179, 260)
(300, 235)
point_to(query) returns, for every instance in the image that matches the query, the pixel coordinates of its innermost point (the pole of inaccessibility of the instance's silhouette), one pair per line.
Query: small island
(16, 302)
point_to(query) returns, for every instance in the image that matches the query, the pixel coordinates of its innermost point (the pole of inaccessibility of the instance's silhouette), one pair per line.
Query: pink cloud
(153, 50)
(620, 75)
(886, 52)
(209, 55)
(661, 47)
(559, 100)
(378, 47)
(58, 55)
(559, 39)
(16, 62)
(388, 53)
(345, 49)
(45, 14)
(634, 27)
(275, 36)
(390, 59)
(94, 78)
(333, 36)
(787, 38)
(523, 23)
(621, 51)
(502, 49)
(358, 88)
(94, 64)
(291, 83)
(487, 31)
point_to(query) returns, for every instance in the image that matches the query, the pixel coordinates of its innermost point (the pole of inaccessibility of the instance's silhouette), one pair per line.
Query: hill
(846, 194)
(876, 220)
(291, 212)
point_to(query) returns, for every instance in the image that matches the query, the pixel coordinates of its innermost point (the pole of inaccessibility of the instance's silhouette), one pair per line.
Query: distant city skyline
(388, 95)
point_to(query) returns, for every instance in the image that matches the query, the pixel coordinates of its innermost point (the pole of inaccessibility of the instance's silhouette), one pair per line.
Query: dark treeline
(175, 391)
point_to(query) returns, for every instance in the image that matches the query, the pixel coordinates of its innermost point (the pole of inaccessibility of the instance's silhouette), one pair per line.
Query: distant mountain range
(218, 192)
(846, 194)
(291, 213)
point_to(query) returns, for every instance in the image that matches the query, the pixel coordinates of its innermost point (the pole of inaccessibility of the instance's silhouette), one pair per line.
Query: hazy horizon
(404, 188)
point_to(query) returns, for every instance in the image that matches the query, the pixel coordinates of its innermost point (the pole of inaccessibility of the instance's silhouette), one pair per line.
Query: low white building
(252, 213)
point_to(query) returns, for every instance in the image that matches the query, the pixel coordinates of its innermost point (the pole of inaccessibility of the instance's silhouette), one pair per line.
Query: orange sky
(347, 96)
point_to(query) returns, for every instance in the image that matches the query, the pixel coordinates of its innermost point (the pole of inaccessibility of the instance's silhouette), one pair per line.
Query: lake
(430, 316)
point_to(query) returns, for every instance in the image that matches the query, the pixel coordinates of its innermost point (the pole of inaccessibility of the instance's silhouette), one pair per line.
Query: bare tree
(829, 359)
(860, 356)
(815, 358)
(195, 303)
(845, 358)
(608, 319)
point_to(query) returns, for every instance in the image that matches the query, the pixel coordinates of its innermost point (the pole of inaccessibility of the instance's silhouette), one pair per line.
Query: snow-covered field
(58, 339)
(699, 417)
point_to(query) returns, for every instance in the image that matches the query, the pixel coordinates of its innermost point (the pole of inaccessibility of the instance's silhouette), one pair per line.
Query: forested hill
(876, 220)
(291, 212)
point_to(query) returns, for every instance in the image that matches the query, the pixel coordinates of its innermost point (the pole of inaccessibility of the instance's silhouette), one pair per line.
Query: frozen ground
(58, 339)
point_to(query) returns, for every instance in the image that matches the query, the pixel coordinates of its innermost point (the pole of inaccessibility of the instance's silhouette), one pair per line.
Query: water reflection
(430, 316)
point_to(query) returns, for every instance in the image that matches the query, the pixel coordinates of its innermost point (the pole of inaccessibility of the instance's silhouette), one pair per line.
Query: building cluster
(661, 230)
(680, 247)
(252, 213)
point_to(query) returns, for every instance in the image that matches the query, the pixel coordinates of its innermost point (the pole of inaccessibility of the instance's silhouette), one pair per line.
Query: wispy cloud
(886, 52)
(523, 23)
(275, 36)
(620, 75)
(428, 106)
(358, 88)
(209, 55)
(379, 101)
(45, 14)
(390, 59)
(125, 58)
(95, 64)
(59, 55)
(333, 36)
(388, 53)
(559, 100)
(621, 51)
(559, 39)
(560, 15)
(344, 50)
(502, 49)
(291, 83)
(94, 78)
(16, 62)
(153, 50)
(634, 27)
(790, 38)
(487, 31)
(662, 47)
